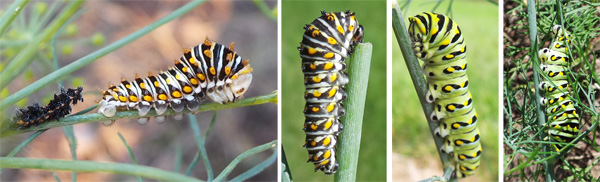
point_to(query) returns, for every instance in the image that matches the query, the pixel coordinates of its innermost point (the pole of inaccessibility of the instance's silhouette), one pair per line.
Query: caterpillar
(57, 108)
(326, 43)
(562, 116)
(209, 69)
(439, 42)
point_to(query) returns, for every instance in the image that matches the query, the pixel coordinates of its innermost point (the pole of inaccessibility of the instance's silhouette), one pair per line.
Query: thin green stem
(89, 166)
(359, 64)
(11, 13)
(12, 129)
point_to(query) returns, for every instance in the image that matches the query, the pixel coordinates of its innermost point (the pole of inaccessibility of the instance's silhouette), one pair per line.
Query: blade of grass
(11, 13)
(258, 168)
(90, 57)
(89, 166)
(131, 155)
(358, 67)
(200, 142)
(239, 158)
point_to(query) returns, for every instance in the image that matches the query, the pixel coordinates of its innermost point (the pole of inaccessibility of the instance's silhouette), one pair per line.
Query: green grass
(410, 132)
(372, 156)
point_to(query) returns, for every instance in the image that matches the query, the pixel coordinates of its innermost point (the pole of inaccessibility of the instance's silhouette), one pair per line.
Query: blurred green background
(410, 132)
(371, 15)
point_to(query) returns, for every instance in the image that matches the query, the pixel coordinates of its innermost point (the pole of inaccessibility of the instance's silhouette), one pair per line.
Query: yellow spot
(192, 60)
(314, 126)
(133, 98)
(327, 154)
(462, 157)
(147, 98)
(459, 143)
(324, 162)
(201, 76)
(316, 79)
(311, 51)
(333, 77)
(451, 107)
(450, 69)
(317, 93)
(433, 30)
(351, 27)
(128, 86)
(328, 124)
(455, 125)
(449, 56)
(162, 97)
(466, 103)
(234, 77)
(315, 109)
(156, 84)
(331, 41)
(207, 53)
(184, 69)
(326, 141)
(328, 55)
(457, 31)
(122, 98)
(229, 57)
(187, 89)
(462, 49)
(446, 42)
(212, 70)
(176, 94)
(328, 65)
(177, 77)
(448, 88)
(194, 81)
(313, 66)
(332, 92)
(330, 107)
(227, 70)
(168, 81)
(340, 29)
(143, 85)
(315, 33)
(551, 74)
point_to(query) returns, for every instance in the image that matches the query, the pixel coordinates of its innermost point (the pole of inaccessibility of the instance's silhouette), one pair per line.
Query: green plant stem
(248, 153)
(533, 53)
(24, 58)
(87, 59)
(89, 166)
(201, 145)
(12, 129)
(418, 79)
(11, 13)
(359, 64)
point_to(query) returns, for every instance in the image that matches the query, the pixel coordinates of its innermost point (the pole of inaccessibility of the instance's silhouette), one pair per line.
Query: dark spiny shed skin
(57, 108)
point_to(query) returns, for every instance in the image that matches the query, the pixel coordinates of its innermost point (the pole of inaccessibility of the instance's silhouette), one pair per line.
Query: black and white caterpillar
(57, 108)
(439, 42)
(326, 44)
(562, 116)
(209, 69)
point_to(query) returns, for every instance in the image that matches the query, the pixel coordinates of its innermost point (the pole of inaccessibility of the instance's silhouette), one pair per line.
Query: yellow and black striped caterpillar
(209, 69)
(326, 44)
(562, 116)
(439, 42)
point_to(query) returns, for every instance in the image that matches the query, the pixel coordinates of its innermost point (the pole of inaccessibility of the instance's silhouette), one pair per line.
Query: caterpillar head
(241, 80)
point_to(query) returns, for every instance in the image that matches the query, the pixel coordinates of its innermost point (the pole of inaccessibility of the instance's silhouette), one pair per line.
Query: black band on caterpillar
(562, 116)
(209, 69)
(57, 108)
(438, 41)
(326, 44)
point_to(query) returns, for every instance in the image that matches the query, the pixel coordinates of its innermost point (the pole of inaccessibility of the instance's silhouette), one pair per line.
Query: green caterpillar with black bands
(562, 116)
(439, 42)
